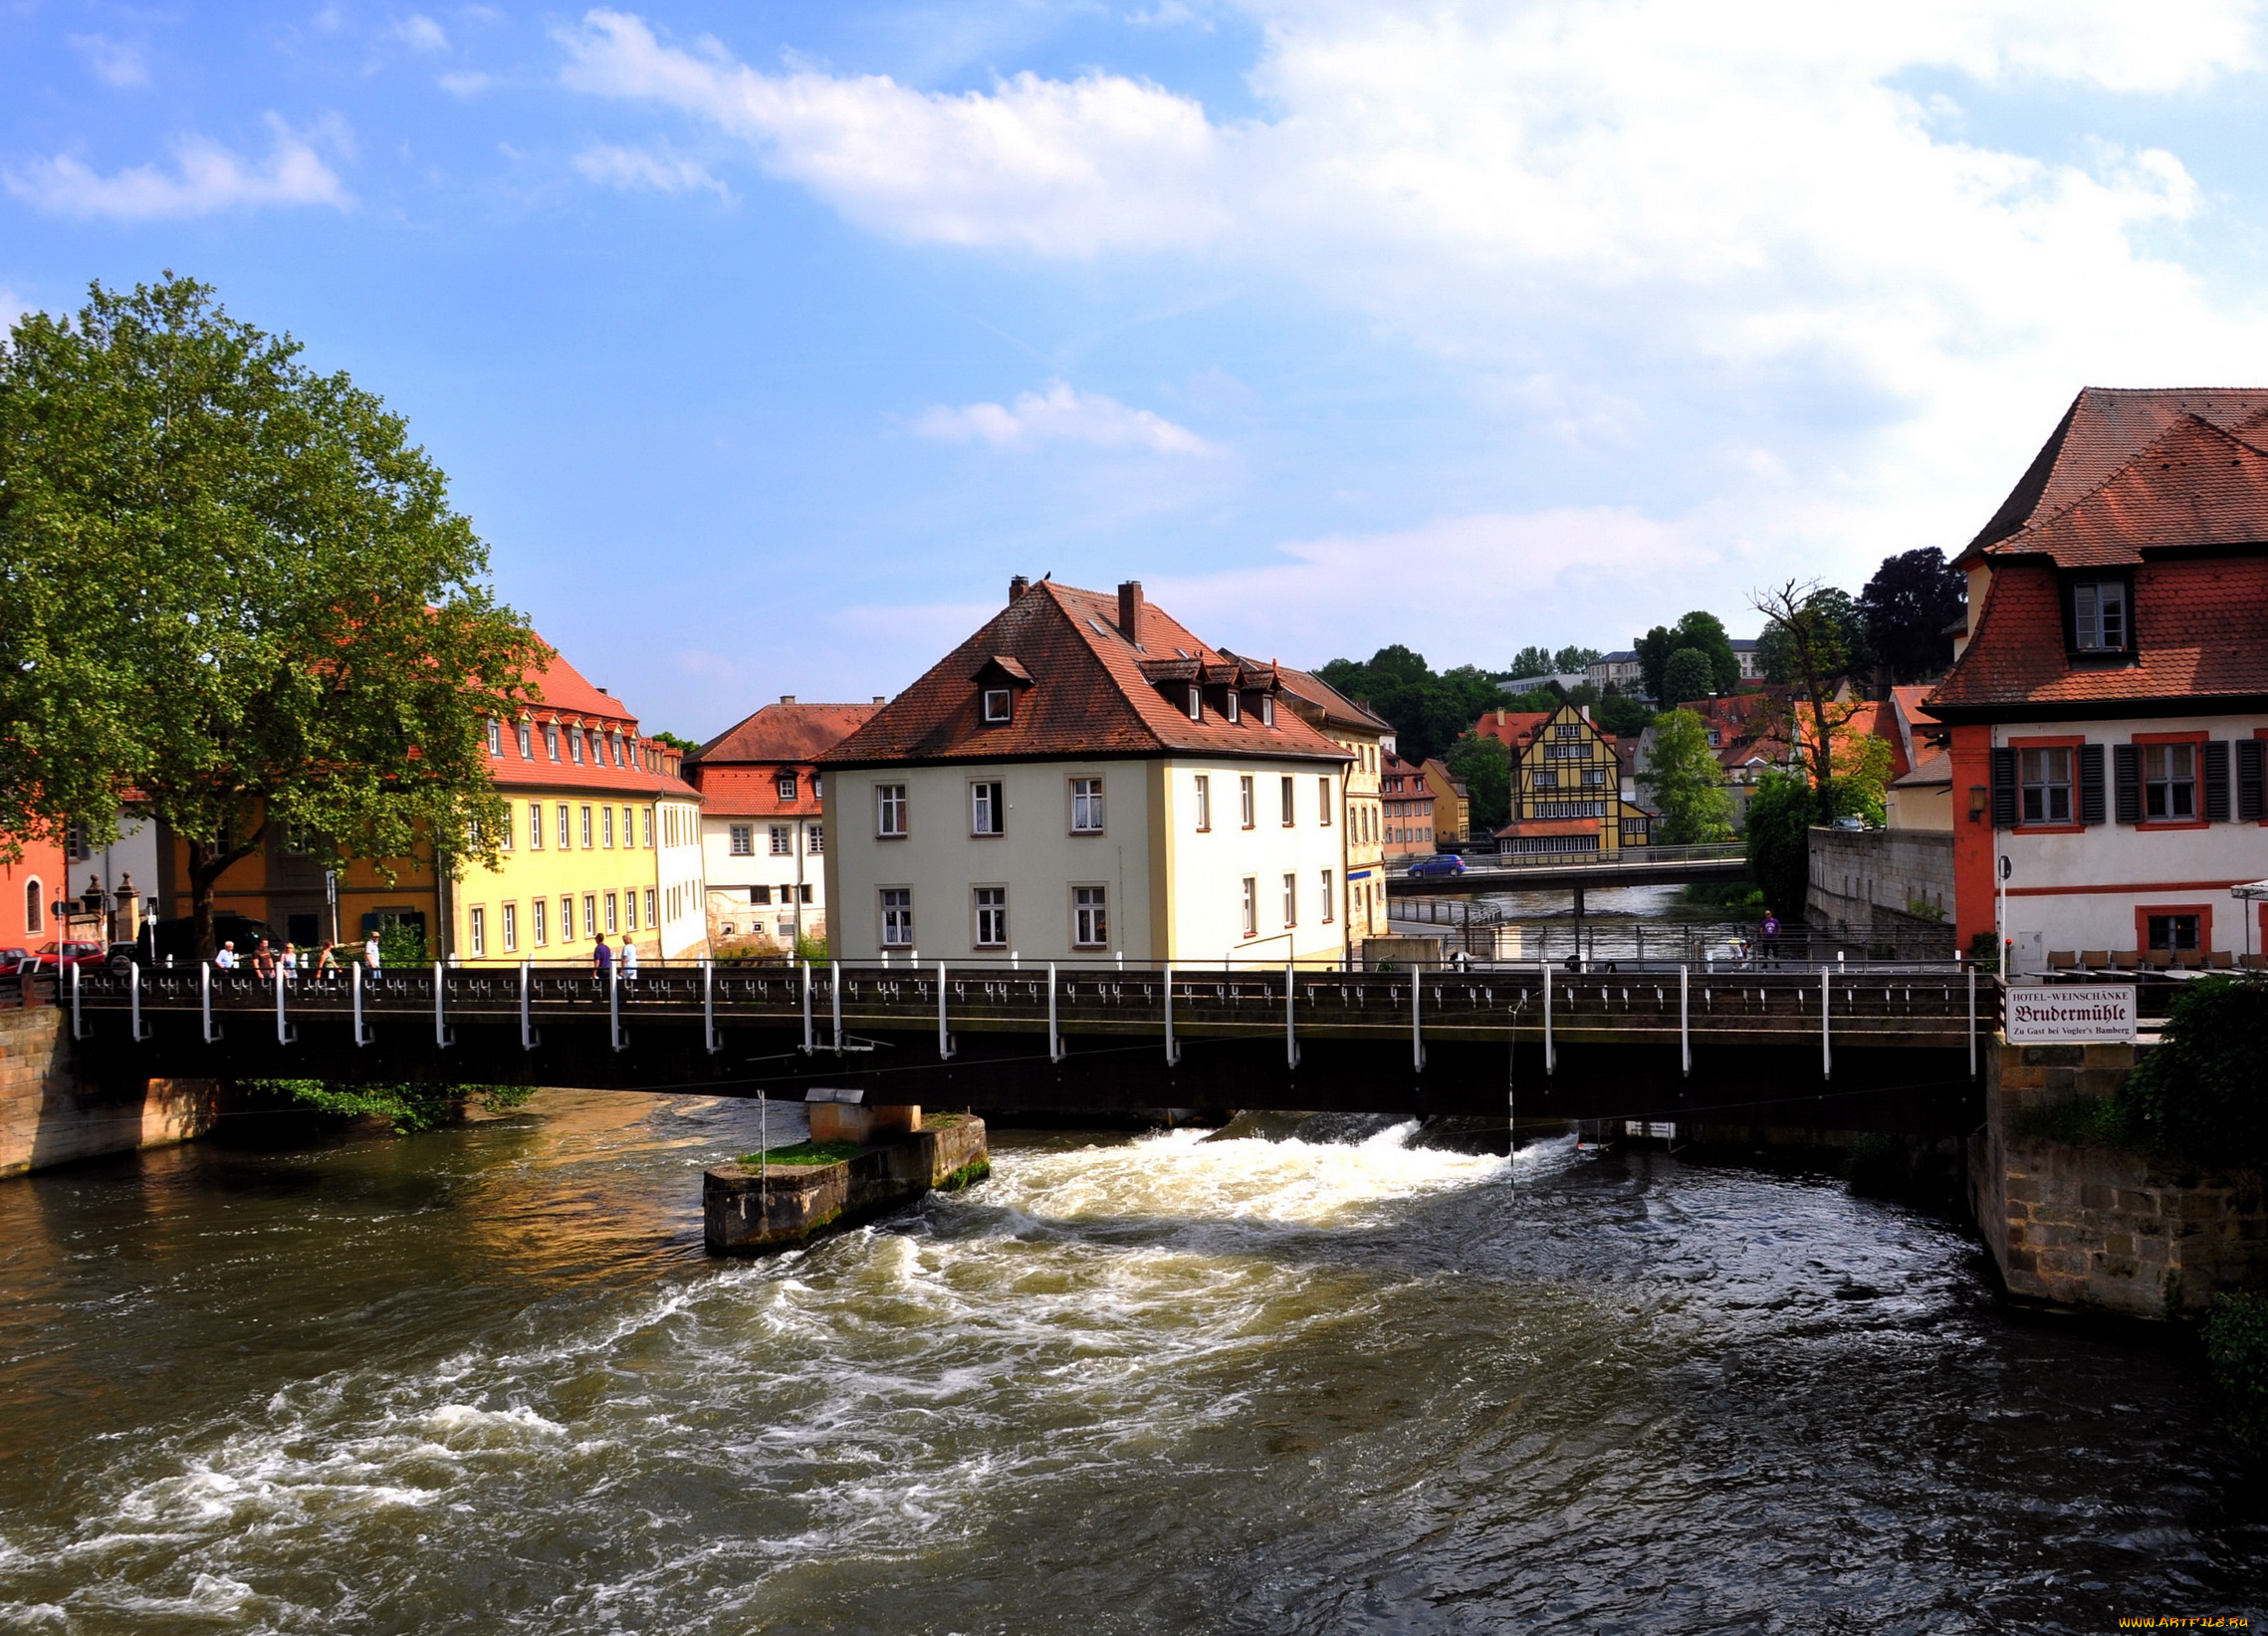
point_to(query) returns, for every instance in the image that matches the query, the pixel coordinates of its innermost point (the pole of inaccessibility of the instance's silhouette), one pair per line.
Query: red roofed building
(2109, 699)
(763, 842)
(1083, 778)
(1409, 809)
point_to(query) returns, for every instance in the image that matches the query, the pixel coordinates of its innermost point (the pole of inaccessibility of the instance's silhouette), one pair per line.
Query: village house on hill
(2109, 698)
(763, 841)
(1085, 779)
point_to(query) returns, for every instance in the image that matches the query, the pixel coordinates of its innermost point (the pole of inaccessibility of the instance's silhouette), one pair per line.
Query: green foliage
(687, 746)
(1486, 766)
(807, 1153)
(1862, 778)
(1780, 816)
(1427, 712)
(2202, 1093)
(1906, 609)
(1686, 677)
(412, 1106)
(1569, 660)
(2081, 1121)
(1686, 781)
(1531, 661)
(1699, 631)
(234, 595)
(1828, 631)
(2236, 1350)
(1623, 716)
(401, 945)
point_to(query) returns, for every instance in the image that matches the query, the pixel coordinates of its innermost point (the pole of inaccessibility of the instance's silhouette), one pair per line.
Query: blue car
(1443, 863)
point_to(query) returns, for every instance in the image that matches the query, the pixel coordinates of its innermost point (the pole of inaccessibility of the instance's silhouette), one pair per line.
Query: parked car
(1849, 821)
(1440, 863)
(52, 957)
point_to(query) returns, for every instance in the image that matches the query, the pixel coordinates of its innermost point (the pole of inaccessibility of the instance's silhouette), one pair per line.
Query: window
(1290, 899)
(787, 783)
(744, 839)
(1329, 899)
(1000, 704)
(494, 736)
(650, 906)
(1285, 793)
(783, 840)
(1203, 802)
(476, 929)
(761, 894)
(630, 827)
(1252, 891)
(589, 914)
(815, 838)
(1086, 807)
(2168, 780)
(649, 827)
(819, 786)
(986, 811)
(2173, 933)
(1244, 799)
(535, 826)
(567, 920)
(897, 917)
(1090, 920)
(1235, 710)
(606, 826)
(574, 745)
(631, 909)
(508, 838)
(2098, 616)
(552, 739)
(890, 810)
(1195, 702)
(2046, 785)
(35, 911)
(526, 736)
(1323, 802)
(992, 917)
(511, 928)
(536, 927)
(611, 922)
(567, 832)
(1566, 730)
(1267, 709)
(586, 828)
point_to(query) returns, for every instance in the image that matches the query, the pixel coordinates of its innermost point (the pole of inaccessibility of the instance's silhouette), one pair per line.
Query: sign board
(2070, 1014)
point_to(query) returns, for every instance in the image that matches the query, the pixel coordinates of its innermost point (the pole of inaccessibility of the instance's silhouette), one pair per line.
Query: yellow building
(1367, 738)
(602, 838)
(1452, 804)
(1569, 790)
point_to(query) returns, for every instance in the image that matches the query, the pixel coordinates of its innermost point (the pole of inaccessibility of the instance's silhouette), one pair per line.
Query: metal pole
(943, 1040)
(134, 999)
(709, 1036)
(1686, 1019)
(1826, 1006)
(614, 1007)
(285, 1032)
(528, 1034)
(442, 1036)
(835, 997)
(1417, 1023)
(1971, 1017)
(763, 1134)
(362, 1032)
(807, 1044)
(1290, 1035)
(78, 1031)
(1055, 1040)
(1550, 1051)
(1173, 1052)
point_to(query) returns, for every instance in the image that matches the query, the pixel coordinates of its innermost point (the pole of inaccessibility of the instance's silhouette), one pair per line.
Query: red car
(50, 958)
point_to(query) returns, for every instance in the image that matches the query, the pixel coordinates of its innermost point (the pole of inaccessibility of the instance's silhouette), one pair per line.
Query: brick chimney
(786, 698)
(1016, 588)
(1130, 611)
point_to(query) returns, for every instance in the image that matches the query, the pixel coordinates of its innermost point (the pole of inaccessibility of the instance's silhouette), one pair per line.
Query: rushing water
(485, 1380)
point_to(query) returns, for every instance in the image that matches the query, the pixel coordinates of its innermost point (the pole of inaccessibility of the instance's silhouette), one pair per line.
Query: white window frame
(535, 826)
(1330, 898)
(538, 923)
(995, 911)
(1000, 705)
(1288, 791)
(523, 734)
(1323, 801)
(890, 811)
(650, 921)
(476, 930)
(895, 907)
(815, 838)
(1290, 899)
(1252, 892)
(1195, 702)
(1235, 711)
(1246, 801)
(631, 910)
(782, 840)
(1091, 916)
(611, 923)
(566, 826)
(586, 828)
(1086, 807)
(511, 928)
(1203, 802)
(1267, 709)
(740, 840)
(988, 808)
(784, 784)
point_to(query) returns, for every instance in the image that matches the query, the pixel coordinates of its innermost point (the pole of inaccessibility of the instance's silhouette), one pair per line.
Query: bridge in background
(1883, 1048)
(1576, 871)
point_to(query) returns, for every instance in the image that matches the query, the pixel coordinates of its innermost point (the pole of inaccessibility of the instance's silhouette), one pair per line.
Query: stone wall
(2095, 1227)
(1882, 881)
(49, 1117)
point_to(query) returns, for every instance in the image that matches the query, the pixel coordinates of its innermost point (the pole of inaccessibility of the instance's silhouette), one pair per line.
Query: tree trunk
(206, 866)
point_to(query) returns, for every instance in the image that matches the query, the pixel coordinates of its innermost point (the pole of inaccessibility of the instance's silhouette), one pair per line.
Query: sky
(763, 342)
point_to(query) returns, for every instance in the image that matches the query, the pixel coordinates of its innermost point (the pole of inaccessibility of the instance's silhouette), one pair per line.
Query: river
(485, 1380)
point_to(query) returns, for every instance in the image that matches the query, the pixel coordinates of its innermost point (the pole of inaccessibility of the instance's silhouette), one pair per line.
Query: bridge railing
(1628, 857)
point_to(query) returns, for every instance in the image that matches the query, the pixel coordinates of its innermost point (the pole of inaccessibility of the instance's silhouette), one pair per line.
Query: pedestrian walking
(629, 958)
(370, 951)
(225, 960)
(601, 957)
(327, 962)
(1770, 930)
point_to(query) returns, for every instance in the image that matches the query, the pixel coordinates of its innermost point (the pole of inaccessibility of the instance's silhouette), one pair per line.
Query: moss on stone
(969, 1175)
(806, 1153)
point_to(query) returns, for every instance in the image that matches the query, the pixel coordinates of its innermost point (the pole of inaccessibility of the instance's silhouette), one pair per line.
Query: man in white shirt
(225, 960)
(370, 951)
(629, 957)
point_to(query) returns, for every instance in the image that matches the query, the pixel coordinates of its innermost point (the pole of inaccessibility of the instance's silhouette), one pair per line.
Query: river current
(485, 1380)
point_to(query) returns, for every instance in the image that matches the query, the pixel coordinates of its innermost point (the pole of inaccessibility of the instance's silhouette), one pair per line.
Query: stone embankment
(748, 1209)
(49, 1116)
(2096, 1226)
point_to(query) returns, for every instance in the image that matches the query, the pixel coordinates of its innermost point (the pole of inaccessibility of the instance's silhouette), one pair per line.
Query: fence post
(1550, 1051)
(1686, 1019)
(614, 1007)
(1290, 1035)
(78, 1030)
(1416, 1021)
(1173, 1052)
(943, 1040)
(1971, 966)
(285, 1032)
(1826, 1007)
(141, 1030)
(710, 1038)
(362, 1035)
(835, 998)
(808, 1047)
(527, 1033)
(443, 1036)
(1055, 1040)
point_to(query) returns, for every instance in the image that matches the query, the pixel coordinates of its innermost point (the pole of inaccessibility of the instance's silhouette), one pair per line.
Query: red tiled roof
(1512, 728)
(1089, 696)
(568, 699)
(2194, 485)
(2200, 634)
(2104, 429)
(561, 688)
(781, 733)
(1335, 705)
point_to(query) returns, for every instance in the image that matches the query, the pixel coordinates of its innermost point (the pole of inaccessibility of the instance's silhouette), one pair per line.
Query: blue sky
(764, 343)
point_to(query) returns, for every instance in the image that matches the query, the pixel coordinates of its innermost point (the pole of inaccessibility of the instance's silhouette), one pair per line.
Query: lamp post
(2000, 910)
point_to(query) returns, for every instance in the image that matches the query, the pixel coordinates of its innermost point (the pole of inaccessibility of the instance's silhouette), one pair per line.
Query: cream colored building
(1367, 738)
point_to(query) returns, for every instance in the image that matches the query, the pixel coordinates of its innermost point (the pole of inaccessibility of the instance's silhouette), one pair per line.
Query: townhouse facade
(1367, 738)
(1572, 790)
(1453, 803)
(1409, 804)
(2108, 703)
(1083, 779)
(763, 831)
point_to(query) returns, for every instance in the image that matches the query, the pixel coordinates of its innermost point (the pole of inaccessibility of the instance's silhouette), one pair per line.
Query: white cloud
(120, 63)
(206, 178)
(465, 85)
(1061, 414)
(642, 167)
(420, 33)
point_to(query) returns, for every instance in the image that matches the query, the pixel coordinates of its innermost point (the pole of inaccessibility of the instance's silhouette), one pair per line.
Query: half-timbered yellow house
(1568, 796)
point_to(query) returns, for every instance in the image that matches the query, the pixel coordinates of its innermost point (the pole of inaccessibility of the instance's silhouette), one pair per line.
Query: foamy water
(484, 1380)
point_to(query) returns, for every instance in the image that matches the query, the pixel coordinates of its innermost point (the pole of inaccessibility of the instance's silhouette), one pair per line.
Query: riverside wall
(2093, 1226)
(49, 1116)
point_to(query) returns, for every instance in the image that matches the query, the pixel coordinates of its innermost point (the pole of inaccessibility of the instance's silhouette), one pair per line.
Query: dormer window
(1195, 702)
(1235, 711)
(787, 784)
(2100, 622)
(1000, 704)
(1267, 709)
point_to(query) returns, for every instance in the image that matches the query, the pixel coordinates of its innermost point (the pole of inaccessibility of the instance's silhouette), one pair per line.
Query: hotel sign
(2067, 1013)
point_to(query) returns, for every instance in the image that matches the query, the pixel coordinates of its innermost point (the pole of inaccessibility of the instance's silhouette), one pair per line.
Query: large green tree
(1810, 629)
(1698, 630)
(234, 595)
(1687, 677)
(1686, 783)
(1486, 766)
(1780, 816)
(1907, 606)
(1428, 710)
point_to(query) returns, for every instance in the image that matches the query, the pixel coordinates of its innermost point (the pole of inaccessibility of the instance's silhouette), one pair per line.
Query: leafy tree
(233, 595)
(1486, 766)
(1780, 816)
(1568, 660)
(2202, 1094)
(687, 746)
(1700, 630)
(1654, 651)
(1688, 675)
(1427, 712)
(1531, 662)
(1621, 714)
(1906, 609)
(1686, 782)
(1862, 776)
(1809, 626)
(1776, 651)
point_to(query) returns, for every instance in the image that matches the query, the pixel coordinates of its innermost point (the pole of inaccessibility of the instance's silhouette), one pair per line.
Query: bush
(1779, 840)
(412, 1106)
(2237, 1349)
(2202, 1094)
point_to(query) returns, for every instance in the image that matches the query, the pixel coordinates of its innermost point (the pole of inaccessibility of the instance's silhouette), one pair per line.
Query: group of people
(603, 957)
(266, 960)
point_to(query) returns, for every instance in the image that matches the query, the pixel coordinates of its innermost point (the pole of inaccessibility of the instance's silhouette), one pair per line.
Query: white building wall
(729, 876)
(2079, 890)
(681, 900)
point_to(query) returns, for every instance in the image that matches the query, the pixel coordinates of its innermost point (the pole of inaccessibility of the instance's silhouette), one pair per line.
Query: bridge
(1563, 871)
(1862, 1047)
